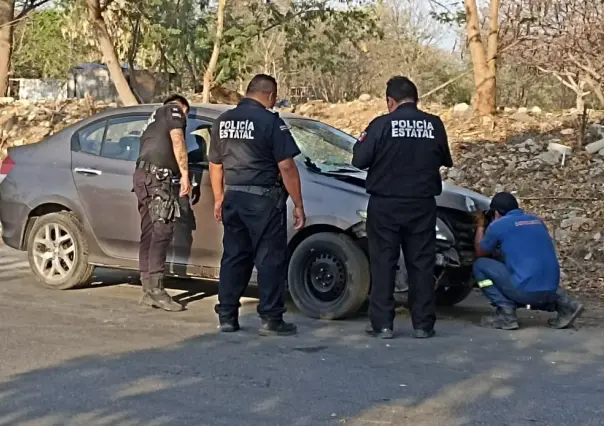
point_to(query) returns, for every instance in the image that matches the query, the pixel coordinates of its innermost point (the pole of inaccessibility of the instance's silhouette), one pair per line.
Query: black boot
(382, 333)
(229, 322)
(277, 328)
(568, 311)
(503, 319)
(156, 296)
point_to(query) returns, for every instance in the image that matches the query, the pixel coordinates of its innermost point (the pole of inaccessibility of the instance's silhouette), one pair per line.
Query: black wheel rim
(325, 276)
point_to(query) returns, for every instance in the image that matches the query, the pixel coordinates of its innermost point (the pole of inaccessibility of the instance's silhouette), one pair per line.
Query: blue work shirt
(527, 249)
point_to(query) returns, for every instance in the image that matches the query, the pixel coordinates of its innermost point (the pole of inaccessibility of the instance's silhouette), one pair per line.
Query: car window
(197, 138)
(91, 138)
(122, 139)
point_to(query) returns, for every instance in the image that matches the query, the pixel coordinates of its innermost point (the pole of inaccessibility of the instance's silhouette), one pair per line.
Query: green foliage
(40, 50)
(453, 14)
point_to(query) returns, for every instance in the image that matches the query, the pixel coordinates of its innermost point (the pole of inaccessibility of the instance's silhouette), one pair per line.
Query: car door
(103, 159)
(198, 237)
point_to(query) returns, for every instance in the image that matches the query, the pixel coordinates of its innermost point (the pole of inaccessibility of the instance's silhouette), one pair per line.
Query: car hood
(452, 196)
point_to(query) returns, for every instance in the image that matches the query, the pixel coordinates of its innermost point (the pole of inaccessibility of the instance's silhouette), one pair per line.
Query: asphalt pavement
(95, 357)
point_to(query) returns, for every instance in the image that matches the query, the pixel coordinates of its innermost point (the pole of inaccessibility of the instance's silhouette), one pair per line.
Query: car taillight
(5, 167)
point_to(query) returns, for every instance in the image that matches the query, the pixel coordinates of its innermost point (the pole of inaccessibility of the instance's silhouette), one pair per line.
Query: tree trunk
(108, 50)
(7, 15)
(492, 46)
(209, 74)
(485, 90)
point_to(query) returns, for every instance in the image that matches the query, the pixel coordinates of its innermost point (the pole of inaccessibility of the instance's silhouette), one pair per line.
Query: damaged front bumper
(447, 255)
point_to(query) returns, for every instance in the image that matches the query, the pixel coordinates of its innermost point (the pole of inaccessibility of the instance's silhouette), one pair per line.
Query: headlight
(443, 233)
(362, 214)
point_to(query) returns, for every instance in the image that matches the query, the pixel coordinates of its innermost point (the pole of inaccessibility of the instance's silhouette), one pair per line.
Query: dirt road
(94, 357)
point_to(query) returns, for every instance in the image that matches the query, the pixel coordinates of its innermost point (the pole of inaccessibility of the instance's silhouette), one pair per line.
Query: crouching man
(529, 273)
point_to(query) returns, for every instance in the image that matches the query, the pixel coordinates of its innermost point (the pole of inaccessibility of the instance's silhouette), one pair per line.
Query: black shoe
(420, 333)
(503, 319)
(383, 333)
(229, 326)
(277, 328)
(568, 311)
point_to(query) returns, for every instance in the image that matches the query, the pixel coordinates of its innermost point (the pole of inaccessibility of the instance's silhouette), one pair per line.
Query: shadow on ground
(328, 374)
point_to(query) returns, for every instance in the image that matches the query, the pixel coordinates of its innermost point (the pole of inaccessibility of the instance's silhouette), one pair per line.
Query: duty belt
(153, 168)
(250, 189)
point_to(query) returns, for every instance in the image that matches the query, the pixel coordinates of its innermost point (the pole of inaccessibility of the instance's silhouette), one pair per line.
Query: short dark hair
(177, 98)
(262, 83)
(504, 202)
(400, 88)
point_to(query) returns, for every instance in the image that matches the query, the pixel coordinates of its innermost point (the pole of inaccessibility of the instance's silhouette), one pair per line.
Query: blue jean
(497, 284)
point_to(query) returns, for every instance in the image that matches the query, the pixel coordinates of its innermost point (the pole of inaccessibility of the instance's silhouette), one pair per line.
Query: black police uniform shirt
(403, 151)
(249, 141)
(156, 142)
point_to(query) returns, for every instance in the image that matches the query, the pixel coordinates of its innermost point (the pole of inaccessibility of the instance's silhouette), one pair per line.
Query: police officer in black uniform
(161, 162)
(404, 151)
(252, 172)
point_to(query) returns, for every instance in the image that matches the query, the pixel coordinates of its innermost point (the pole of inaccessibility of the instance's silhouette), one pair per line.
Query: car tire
(59, 260)
(456, 289)
(328, 276)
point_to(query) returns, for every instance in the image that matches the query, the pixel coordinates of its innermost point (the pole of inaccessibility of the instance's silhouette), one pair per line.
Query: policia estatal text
(403, 151)
(252, 149)
(162, 161)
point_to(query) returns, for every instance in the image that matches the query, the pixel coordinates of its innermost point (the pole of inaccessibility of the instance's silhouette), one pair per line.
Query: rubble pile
(533, 153)
(530, 153)
(24, 122)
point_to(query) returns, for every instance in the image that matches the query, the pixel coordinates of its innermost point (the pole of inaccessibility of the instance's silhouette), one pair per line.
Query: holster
(164, 203)
(279, 195)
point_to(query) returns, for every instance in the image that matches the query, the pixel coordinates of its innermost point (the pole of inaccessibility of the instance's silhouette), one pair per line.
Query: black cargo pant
(393, 223)
(254, 233)
(155, 236)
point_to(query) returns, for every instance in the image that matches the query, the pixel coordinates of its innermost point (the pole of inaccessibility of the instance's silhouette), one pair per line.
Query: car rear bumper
(13, 217)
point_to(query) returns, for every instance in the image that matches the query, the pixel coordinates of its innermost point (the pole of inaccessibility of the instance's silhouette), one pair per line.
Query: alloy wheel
(54, 252)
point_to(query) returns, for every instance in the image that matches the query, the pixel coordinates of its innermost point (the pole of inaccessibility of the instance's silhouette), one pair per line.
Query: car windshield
(323, 147)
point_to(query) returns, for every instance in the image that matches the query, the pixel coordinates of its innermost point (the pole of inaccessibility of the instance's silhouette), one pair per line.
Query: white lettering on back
(412, 129)
(236, 129)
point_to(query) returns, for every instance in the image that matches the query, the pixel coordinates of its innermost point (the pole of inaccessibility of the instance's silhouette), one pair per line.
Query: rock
(223, 95)
(536, 110)
(601, 152)
(461, 109)
(508, 109)
(5, 100)
(529, 145)
(594, 147)
(522, 110)
(38, 132)
(575, 223)
(19, 142)
(365, 97)
(596, 129)
(454, 173)
(550, 157)
(7, 121)
(597, 237)
(567, 132)
(562, 235)
(521, 116)
(306, 108)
